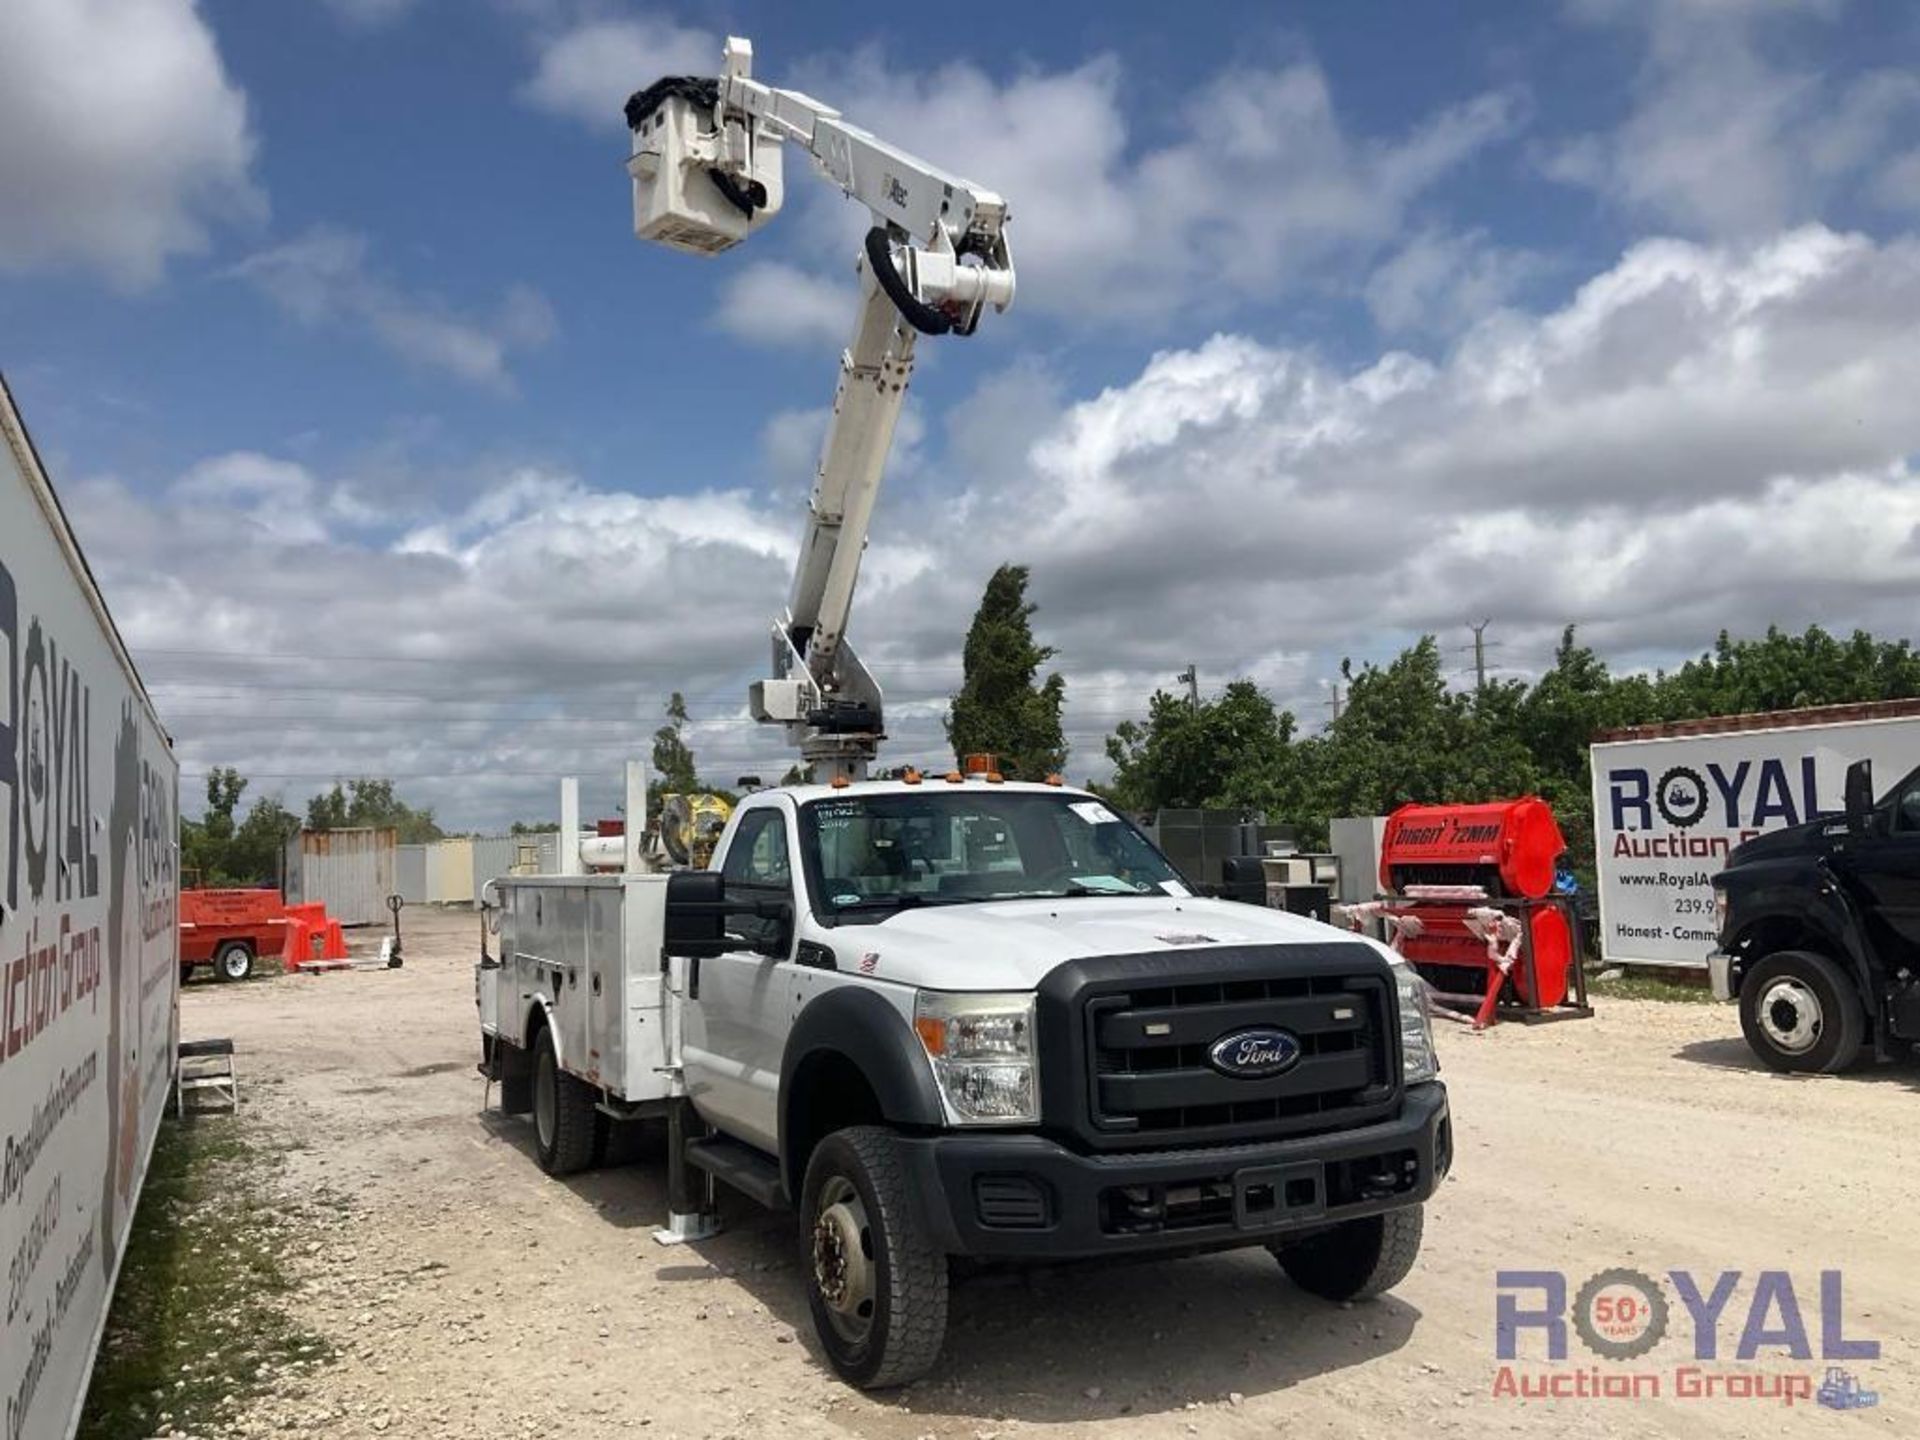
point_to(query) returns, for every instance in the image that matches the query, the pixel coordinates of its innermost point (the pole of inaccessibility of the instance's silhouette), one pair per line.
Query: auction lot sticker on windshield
(1093, 812)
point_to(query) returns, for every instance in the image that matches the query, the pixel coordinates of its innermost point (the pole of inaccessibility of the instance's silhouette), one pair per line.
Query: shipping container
(89, 947)
(350, 871)
(410, 873)
(1671, 801)
(450, 872)
(497, 855)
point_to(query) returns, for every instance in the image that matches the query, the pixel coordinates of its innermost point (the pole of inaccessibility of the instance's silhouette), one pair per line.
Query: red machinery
(229, 929)
(1470, 902)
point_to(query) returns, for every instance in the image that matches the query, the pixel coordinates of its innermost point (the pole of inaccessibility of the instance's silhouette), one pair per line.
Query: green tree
(204, 843)
(1406, 735)
(673, 766)
(1233, 752)
(368, 801)
(1000, 710)
(259, 842)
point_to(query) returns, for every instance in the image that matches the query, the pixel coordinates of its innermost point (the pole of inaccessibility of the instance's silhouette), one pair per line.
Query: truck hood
(1012, 944)
(1809, 839)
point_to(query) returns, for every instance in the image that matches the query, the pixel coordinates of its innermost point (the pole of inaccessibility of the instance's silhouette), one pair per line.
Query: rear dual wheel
(568, 1129)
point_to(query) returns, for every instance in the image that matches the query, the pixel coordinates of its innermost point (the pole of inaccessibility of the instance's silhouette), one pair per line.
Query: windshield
(873, 854)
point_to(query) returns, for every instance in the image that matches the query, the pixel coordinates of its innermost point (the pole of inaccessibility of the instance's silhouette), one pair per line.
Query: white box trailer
(89, 948)
(1671, 801)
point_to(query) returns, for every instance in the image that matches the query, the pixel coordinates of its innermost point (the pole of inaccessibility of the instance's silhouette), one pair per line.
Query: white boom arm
(706, 173)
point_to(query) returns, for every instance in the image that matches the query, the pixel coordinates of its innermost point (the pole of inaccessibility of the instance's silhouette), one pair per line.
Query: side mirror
(1859, 796)
(695, 922)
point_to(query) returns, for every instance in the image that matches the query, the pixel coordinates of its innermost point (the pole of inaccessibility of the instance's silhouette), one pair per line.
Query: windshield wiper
(906, 901)
(1071, 892)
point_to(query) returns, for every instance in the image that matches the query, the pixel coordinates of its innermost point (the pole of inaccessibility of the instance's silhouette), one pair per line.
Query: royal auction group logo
(1745, 1338)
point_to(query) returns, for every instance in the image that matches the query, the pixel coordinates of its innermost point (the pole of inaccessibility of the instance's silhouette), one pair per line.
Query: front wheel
(1356, 1259)
(234, 960)
(1799, 1011)
(876, 1285)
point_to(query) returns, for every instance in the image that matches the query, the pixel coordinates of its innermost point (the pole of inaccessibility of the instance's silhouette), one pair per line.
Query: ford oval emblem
(1255, 1054)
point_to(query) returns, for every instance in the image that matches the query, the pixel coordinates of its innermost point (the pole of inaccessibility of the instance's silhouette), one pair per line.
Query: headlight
(1719, 911)
(981, 1047)
(1417, 1058)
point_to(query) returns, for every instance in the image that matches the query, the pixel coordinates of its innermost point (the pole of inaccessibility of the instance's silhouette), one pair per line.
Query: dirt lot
(469, 1295)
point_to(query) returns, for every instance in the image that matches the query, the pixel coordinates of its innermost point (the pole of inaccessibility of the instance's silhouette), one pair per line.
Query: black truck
(1819, 929)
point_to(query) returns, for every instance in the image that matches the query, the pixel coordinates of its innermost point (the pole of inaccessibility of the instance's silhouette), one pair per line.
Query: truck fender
(1829, 913)
(856, 1024)
(540, 1015)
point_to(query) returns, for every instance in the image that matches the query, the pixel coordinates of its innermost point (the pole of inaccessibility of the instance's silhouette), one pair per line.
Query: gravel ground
(470, 1295)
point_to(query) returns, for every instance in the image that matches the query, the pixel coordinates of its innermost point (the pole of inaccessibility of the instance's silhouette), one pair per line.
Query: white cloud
(1264, 184)
(1724, 136)
(122, 137)
(586, 73)
(769, 302)
(324, 277)
(1700, 437)
(1442, 282)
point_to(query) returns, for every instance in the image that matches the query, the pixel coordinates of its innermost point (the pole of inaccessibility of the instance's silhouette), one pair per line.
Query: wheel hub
(1790, 1016)
(843, 1260)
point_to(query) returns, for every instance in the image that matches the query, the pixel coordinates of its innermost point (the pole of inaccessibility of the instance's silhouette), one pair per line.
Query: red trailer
(229, 930)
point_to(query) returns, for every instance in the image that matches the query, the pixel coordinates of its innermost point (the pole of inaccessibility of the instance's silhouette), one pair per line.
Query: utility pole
(1336, 703)
(1480, 654)
(1190, 677)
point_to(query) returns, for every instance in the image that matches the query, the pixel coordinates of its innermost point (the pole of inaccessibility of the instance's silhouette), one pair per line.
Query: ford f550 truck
(959, 1018)
(953, 1018)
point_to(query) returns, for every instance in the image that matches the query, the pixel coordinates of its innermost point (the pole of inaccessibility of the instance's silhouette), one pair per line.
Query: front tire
(234, 960)
(876, 1285)
(565, 1122)
(1356, 1259)
(1800, 1012)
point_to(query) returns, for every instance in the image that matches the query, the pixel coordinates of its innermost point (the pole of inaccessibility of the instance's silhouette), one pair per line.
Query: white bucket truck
(942, 1016)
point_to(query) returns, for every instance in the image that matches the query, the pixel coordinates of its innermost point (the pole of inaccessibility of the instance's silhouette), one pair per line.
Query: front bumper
(1026, 1197)
(1720, 974)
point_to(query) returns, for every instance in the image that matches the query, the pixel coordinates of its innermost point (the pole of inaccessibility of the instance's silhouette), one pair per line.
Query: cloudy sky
(396, 454)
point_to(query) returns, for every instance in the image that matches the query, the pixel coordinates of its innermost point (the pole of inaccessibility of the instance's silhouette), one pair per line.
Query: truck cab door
(1884, 866)
(736, 1026)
